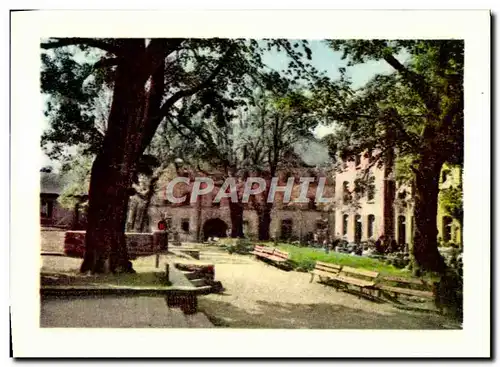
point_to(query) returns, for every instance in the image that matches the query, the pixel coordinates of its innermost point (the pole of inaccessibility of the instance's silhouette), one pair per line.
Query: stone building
(378, 206)
(366, 203)
(204, 219)
(52, 214)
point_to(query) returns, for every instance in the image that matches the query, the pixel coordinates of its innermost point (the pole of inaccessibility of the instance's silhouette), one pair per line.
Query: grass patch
(147, 279)
(306, 257)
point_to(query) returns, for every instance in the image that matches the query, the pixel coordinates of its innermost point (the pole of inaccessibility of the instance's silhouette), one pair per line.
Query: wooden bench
(406, 286)
(325, 271)
(263, 251)
(279, 256)
(361, 278)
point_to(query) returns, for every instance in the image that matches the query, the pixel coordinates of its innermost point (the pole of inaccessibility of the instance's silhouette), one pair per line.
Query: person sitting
(379, 245)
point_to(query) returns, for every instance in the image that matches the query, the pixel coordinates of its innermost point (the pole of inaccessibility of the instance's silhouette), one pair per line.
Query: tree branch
(155, 119)
(207, 82)
(421, 87)
(92, 42)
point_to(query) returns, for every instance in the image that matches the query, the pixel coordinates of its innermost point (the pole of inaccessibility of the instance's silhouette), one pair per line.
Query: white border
(31, 341)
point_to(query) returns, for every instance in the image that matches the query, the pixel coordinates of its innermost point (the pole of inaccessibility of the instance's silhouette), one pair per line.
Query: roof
(50, 183)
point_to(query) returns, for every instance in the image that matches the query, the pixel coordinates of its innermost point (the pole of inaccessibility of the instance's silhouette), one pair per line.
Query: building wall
(453, 179)
(363, 206)
(305, 221)
(58, 216)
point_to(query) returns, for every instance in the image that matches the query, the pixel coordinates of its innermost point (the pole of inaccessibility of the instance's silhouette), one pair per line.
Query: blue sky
(324, 59)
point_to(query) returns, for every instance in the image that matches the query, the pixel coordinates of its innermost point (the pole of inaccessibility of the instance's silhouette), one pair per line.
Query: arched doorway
(214, 228)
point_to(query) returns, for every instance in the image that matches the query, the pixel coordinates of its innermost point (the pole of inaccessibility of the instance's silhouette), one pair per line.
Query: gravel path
(258, 295)
(262, 296)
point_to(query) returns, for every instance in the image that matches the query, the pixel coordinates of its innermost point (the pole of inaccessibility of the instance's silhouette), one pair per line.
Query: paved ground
(134, 312)
(261, 296)
(256, 295)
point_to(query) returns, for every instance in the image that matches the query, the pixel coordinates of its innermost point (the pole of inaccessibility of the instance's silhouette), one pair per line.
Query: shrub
(241, 246)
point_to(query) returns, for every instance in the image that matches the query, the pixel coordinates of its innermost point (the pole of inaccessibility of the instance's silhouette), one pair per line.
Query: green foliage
(306, 258)
(76, 177)
(240, 246)
(403, 173)
(78, 77)
(417, 108)
(451, 200)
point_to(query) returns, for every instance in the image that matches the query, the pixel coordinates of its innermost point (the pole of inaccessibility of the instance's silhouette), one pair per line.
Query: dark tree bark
(425, 249)
(264, 214)
(114, 167)
(236, 213)
(134, 118)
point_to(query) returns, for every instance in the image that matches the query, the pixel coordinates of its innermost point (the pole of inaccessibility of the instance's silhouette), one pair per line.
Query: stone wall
(137, 243)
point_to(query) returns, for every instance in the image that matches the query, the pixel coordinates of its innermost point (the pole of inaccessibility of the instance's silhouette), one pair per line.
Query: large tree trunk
(265, 221)
(105, 238)
(236, 213)
(425, 248)
(114, 169)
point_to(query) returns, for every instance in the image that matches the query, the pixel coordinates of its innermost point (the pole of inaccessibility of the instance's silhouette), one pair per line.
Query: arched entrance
(214, 228)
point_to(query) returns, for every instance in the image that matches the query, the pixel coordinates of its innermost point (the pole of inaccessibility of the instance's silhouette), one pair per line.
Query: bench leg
(312, 277)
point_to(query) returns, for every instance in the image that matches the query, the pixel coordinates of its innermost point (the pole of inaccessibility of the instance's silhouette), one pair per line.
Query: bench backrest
(327, 267)
(281, 254)
(264, 250)
(359, 272)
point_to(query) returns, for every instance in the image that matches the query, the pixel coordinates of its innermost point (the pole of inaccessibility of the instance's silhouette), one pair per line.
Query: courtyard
(256, 295)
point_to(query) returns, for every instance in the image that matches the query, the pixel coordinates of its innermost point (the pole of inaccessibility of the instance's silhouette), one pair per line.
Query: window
(359, 188)
(46, 209)
(320, 224)
(311, 204)
(345, 220)
(371, 189)
(371, 225)
(185, 224)
(447, 224)
(346, 195)
(358, 229)
(445, 176)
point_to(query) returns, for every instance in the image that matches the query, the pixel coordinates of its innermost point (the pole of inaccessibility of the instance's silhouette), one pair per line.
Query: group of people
(383, 245)
(388, 245)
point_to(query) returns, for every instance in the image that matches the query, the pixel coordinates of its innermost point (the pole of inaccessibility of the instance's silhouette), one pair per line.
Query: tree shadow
(277, 315)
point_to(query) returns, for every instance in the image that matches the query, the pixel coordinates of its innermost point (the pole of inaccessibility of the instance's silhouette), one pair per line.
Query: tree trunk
(105, 238)
(114, 169)
(425, 248)
(264, 222)
(236, 213)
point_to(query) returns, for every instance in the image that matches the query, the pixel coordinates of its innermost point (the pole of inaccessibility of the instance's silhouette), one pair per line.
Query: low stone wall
(138, 244)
